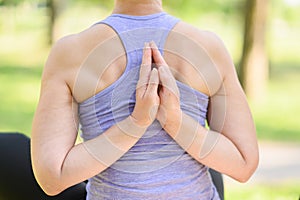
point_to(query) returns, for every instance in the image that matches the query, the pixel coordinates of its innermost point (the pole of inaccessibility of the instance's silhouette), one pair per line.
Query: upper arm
(55, 123)
(228, 111)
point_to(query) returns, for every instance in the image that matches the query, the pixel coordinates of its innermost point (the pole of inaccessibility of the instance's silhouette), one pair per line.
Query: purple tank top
(156, 167)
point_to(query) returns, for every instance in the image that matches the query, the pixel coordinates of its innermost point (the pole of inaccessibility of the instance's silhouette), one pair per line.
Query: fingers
(153, 82)
(167, 80)
(157, 57)
(147, 54)
(165, 75)
(145, 69)
(165, 72)
(149, 79)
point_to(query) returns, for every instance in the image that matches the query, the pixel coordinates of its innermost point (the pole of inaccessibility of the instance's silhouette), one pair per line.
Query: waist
(183, 178)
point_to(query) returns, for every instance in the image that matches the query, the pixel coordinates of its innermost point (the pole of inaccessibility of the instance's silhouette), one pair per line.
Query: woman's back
(156, 164)
(100, 78)
(99, 56)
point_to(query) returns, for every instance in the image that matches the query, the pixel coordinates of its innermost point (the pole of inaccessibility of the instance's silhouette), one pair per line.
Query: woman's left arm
(230, 145)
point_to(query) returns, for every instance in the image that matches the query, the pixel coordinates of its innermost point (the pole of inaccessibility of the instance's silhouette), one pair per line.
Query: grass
(263, 192)
(19, 95)
(276, 116)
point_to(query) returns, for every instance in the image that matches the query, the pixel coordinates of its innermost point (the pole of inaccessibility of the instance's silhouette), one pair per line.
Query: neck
(137, 7)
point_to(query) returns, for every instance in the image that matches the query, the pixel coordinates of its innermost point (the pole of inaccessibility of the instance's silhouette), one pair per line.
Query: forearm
(210, 148)
(91, 157)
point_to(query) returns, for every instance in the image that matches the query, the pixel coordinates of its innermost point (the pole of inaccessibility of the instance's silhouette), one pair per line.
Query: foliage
(10, 2)
(13, 2)
(287, 11)
(229, 8)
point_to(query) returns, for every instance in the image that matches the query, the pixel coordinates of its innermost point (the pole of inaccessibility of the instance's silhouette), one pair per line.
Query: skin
(229, 146)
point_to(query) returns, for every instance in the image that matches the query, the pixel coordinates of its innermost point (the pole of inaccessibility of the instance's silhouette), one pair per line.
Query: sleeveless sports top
(156, 167)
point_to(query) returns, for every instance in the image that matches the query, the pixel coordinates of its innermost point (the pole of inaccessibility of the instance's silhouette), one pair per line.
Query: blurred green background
(24, 39)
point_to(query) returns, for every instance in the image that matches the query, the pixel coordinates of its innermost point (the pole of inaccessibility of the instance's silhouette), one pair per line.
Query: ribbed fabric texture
(156, 167)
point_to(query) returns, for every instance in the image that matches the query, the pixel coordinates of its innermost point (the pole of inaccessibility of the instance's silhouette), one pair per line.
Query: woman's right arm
(57, 162)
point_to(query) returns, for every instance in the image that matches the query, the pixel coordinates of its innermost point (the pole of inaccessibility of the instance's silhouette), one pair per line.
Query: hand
(169, 111)
(147, 99)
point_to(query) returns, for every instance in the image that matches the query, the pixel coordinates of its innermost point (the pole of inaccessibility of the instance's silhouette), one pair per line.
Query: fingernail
(154, 69)
(146, 44)
(152, 44)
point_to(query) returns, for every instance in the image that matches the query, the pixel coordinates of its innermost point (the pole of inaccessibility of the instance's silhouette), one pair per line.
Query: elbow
(51, 191)
(48, 177)
(47, 172)
(50, 184)
(249, 168)
(244, 177)
(50, 188)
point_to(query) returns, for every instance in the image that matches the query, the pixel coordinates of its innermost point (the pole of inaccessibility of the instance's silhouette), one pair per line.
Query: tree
(54, 9)
(254, 61)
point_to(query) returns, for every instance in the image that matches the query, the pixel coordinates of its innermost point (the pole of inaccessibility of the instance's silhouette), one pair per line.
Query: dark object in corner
(16, 176)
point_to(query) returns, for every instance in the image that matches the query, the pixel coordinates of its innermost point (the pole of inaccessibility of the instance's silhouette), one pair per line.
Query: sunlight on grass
(263, 192)
(275, 116)
(19, 93)
(26, 50)
(285, 47)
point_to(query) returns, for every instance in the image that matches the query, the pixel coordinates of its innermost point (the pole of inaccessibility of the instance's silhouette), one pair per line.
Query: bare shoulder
(208, 39)
(69, 52)
(209, 62)
(72, 49)
(194, 31)
(210, 42)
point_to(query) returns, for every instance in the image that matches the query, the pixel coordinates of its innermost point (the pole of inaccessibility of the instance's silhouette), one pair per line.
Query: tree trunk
(54, 8)
(254, 62)
(52, 17)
